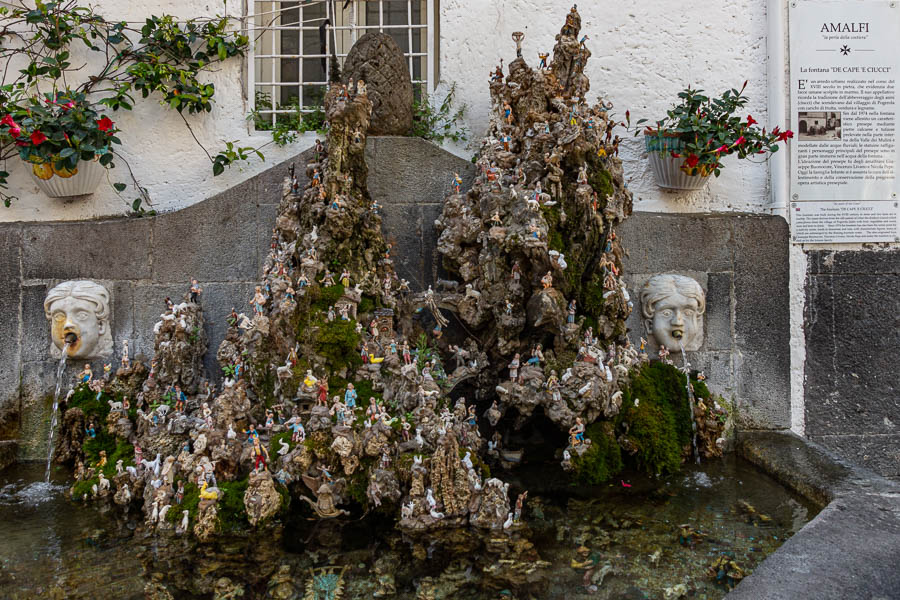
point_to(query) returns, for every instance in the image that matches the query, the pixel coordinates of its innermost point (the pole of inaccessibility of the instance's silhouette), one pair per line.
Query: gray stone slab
(880, 453)
(402, 227)
(761, 285)
(266, 215)
(763, 390)
(719, 303)
(217, 301)
(432, 258)
(215, 240)
(122, 315)
(411, 171)
(36, 341)
(149, 304)
(852, 340)
(719, 371)
(10, 351)
(38, 381)
(8, 451)
(860, 262)
(87, 250)
(659, 243)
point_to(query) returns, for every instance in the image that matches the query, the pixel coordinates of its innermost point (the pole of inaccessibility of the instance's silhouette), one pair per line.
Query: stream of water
(54, 414)
(690, 393)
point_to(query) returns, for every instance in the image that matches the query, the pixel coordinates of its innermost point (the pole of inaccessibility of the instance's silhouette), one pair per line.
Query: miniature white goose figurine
(285, 448)
(232, 434)
(467, 460)
(509, 521)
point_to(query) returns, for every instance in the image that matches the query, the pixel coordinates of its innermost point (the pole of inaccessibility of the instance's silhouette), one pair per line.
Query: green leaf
(120, 187)
(67, 152)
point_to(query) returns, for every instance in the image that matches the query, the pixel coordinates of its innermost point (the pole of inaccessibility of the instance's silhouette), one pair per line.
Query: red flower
(722, 148)
(14, 129)
(675, 155)
(38, 137)
(739, 141)
(68, 105)
(751, 120)
(7, 120)
(104, 124)
(784, 135)
(21, 143)
(692, 160)
(775, 131)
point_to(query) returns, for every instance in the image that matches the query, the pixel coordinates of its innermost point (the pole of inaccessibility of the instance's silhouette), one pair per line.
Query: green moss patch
(604, 458)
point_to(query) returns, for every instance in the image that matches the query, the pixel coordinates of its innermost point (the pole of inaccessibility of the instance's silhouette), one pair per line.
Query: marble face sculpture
(672, 307)
(79, 315)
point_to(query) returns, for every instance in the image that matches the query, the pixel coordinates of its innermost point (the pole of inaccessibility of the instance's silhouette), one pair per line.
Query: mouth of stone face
(71, 338)
(677, 334)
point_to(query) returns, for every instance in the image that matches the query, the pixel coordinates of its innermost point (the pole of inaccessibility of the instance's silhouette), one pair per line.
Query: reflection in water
(623, 542)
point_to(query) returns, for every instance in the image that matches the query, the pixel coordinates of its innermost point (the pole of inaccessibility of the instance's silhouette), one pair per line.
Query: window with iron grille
(294, 42)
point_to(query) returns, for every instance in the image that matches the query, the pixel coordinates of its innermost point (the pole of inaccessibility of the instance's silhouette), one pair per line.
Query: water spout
(690, 393)
(60, 370)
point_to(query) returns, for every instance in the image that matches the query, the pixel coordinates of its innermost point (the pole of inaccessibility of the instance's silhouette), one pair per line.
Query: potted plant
(688, 145)
(64, 138)
(56, 112)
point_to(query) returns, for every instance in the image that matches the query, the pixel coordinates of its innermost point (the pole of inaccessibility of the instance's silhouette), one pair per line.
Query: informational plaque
(845, 58)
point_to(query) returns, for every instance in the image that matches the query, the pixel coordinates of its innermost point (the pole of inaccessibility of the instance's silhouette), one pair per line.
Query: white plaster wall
(155, 142)
(644, 53)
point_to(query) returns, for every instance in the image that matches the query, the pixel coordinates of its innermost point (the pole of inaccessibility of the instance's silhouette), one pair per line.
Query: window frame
(348, 23)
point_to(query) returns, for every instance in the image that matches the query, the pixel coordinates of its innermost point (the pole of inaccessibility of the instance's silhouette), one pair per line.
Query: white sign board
(845, 59)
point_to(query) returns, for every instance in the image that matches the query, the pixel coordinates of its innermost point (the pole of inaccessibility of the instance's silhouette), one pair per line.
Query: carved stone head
(79, 315)
(672, 307)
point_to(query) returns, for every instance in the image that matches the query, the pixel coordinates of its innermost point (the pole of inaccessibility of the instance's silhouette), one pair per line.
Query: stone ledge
(850, 549)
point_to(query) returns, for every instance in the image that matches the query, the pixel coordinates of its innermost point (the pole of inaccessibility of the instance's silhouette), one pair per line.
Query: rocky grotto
(353, 406)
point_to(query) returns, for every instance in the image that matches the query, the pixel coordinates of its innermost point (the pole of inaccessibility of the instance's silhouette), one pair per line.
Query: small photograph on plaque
(824, 126)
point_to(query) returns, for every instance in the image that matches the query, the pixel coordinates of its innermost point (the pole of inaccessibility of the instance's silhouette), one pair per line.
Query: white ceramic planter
(670, 176)
(85, 181)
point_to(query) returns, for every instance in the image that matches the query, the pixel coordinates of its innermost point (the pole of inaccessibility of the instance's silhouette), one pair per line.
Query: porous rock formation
(376, 59)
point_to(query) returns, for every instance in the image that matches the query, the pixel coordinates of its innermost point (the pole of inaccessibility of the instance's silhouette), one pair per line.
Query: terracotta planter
(667, 169)
(85, 179)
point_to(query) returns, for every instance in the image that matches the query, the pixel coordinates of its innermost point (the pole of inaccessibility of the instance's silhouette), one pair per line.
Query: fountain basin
(850, 549)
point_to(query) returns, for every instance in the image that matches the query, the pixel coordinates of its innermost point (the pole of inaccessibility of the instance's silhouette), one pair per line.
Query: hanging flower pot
(672, 173)
(82, 179)
(698, 132)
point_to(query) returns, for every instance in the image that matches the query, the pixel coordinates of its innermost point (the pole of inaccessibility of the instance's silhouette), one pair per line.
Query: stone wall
(742, 263)
(852, 321)
(740, 260)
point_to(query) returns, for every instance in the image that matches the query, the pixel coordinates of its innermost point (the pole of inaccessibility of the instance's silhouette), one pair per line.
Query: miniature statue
(251, 433)
(180, 399)
(258, 301)
(543, 56)
(507, 113)
(537, 356)
(547, 280)
(79, 314)
(570, 316)
(576, 433)
(582, 175)
(86, 374)
(350, 396)
(126, 363)
(517, 37)
(195, 290)
(514, 368)
(260, 454)
(322, 396)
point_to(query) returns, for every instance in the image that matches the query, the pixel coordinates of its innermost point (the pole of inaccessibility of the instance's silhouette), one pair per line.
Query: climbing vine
(57, 105)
